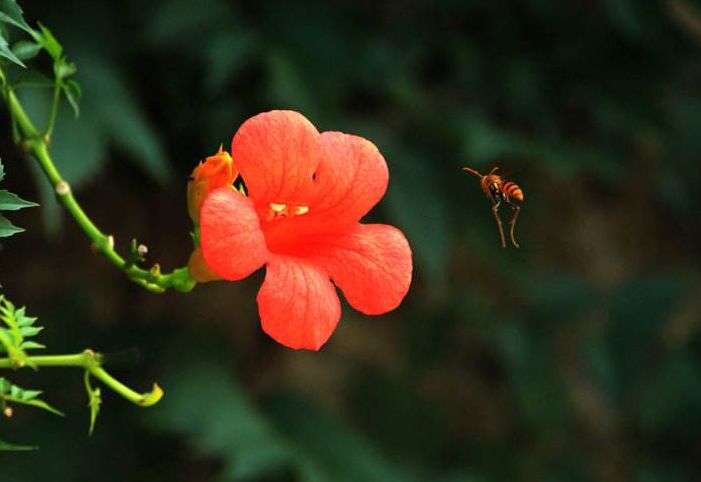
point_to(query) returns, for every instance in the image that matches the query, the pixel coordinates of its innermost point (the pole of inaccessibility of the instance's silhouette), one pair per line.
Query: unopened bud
(214, 172)
(7, 411)
(142, 250)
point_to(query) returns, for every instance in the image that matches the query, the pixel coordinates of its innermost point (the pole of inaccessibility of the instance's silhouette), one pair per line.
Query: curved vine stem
(54, 111)
(35, 143)
(92, 363)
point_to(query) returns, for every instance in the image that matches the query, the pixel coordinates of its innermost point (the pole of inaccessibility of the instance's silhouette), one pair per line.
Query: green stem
(54, 111)
(152, 279)
(92, 363)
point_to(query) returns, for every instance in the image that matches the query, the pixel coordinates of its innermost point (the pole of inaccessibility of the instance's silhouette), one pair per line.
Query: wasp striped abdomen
(512, 190)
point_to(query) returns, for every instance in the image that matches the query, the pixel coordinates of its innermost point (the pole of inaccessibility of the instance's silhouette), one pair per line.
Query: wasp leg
(512, 223)
(495, 210)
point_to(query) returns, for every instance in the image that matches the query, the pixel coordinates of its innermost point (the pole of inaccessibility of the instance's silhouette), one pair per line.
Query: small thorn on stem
(110, 241)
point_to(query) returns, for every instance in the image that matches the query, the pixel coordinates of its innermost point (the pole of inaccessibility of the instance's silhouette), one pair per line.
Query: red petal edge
(298, 304)
(232, 242)
(370, 263)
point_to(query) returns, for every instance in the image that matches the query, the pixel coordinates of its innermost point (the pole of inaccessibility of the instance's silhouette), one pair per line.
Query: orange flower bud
(216, 171)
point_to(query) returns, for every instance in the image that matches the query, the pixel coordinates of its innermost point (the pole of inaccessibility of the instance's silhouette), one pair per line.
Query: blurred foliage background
(575, 358)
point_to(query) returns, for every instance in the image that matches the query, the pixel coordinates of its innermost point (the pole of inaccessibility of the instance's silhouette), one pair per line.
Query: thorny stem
(36, 144)
(92, 363)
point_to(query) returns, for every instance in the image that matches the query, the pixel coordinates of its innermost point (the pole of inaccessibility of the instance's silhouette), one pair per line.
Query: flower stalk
(91, 362)
(36, 144)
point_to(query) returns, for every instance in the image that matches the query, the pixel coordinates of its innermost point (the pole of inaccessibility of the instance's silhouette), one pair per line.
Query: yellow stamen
(281, 210)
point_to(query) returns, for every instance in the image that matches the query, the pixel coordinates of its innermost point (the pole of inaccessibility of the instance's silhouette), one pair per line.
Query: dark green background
(575, 358)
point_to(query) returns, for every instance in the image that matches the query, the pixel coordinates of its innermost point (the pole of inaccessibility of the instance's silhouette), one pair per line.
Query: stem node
(63, 188)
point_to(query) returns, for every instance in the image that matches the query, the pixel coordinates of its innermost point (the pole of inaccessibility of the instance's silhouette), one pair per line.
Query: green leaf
(31, 345)
(22, 319)
(42, 405)
(32, 402)
(15, 394)
(12, 202)
(27, 395)
(216, 413)
(63, 69)
(73, 93)
(49, 42)
(13, 447)
(326, 448)
(94, 401)
(11, 13)
(7, 53)
(129, 128)
(26, 49)
(7, 228)
(8, 344)
(28, 331)
(19, 327)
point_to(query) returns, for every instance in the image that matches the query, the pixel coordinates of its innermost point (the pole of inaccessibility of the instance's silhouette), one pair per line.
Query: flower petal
(274, 152)
(350, 179)
(232, 242)
(371, 263)
(298, 304)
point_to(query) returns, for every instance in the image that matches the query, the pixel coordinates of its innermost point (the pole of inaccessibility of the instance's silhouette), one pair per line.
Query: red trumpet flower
(307, 192)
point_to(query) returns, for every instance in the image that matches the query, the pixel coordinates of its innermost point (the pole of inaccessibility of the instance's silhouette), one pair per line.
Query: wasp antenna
(494, 169)
(472, 171)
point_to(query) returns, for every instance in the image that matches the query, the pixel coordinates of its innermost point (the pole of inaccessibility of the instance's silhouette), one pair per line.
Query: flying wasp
(498, 190)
